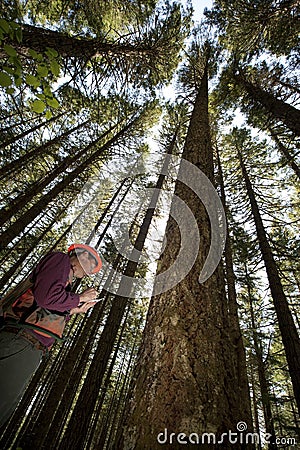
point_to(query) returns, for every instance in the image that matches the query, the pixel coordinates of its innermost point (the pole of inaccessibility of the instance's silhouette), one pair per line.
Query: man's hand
(88, 295)
(85, 301)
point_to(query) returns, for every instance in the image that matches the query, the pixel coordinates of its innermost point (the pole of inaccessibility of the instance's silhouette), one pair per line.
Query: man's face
(83, 265)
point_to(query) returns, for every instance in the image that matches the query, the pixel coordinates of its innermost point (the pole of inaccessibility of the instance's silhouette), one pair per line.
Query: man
(34, 316)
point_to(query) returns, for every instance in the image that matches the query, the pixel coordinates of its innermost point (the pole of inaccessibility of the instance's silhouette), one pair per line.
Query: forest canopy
(104, 105)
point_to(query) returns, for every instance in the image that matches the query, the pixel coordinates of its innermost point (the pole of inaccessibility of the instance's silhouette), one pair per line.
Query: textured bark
(77, 431)
(285, 112)
(39, 39)
(288, 330)
(263, 382)
(239, 355)
(288, 157)
(185, 379)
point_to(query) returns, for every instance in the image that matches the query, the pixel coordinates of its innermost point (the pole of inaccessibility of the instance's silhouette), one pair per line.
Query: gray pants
(19, 359)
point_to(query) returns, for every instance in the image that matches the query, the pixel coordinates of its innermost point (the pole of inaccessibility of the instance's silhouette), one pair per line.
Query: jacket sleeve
(50, 278)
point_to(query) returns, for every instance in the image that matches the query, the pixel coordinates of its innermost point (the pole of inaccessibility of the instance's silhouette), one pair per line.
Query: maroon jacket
(50, 290)
(51, 282)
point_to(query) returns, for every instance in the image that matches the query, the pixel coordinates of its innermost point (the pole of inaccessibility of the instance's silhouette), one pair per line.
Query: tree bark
(39, 39)
(288, 157)
(76, 432)
(37, 187)
(14, 166)
(18, 226)
(290, 338)
(185, 380)
(263, 382)
(278, 109)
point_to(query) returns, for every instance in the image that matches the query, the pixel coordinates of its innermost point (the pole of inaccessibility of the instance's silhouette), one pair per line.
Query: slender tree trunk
(31, 130)
(37, 187)
(239, 354)
(289, 158)
(100, 401)
(25, 253)
(14, 166)
(255, 404)
(18, 226)
(290, 338)
(100, 220)
(76, 433)
(263, 382)
(185, 379)
(280, 110)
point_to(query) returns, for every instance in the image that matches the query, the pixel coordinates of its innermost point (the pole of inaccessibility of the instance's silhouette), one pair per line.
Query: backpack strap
(8, 301)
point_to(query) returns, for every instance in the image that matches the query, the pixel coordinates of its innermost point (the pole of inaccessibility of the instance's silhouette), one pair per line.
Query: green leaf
(15, 71)
(32, 81)
(51, 52)
(10, 50)
(19, 35)
(4, 25)
(48, 114)
(15, 60)
(54, 67)
(5, 80)
(14, 25)
(33, 53)
(9, 70)
(47, 91)
(18, 81)
(42, 70)
(38, 106)
(10, 90)
(53, 103)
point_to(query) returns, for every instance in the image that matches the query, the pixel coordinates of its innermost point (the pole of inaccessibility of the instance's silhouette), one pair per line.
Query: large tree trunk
(285, 112)
(39, 39)
(239, 355)
(185, 379)
(77, 430)
(18, 226)
(290, 337)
